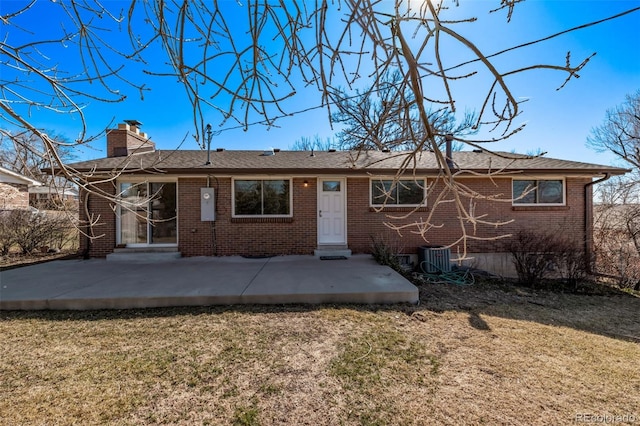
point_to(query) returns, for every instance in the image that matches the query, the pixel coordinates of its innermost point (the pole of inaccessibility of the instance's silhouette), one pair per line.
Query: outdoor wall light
(305, 183)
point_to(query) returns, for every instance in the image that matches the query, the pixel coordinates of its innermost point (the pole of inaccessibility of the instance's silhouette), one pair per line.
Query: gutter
(304, 171)
(588, 222)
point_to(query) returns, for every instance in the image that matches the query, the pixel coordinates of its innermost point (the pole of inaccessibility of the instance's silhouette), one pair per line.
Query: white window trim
(564, 193)
(233, 196)
(420, 181)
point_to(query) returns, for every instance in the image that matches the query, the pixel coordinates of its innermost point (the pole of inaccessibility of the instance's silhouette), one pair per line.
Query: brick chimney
(127, 139)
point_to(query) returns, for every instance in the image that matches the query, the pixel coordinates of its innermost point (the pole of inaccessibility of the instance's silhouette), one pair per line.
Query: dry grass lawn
(487, 354)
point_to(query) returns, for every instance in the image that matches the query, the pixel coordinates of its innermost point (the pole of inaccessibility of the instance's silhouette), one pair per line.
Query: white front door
(332, 224)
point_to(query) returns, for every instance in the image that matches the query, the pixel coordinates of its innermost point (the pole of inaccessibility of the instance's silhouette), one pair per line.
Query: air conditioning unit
(434, 259)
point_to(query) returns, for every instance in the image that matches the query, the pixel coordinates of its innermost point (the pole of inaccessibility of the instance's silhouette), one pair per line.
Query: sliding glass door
(148, 213)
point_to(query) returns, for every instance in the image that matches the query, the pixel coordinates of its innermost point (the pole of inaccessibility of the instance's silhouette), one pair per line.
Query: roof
(9, 176)
(226, 162)
(65, 192)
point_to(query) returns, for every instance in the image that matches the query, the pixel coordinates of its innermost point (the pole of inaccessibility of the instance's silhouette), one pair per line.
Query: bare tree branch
(247, 62)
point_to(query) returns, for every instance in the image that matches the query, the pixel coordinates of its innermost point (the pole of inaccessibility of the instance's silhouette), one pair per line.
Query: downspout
(588, 221)
(214, 237)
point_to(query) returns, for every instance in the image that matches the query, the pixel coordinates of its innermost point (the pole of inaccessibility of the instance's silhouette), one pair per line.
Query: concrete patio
(201, 281)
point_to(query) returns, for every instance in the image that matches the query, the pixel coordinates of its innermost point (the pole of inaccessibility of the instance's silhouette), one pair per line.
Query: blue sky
(558, 122)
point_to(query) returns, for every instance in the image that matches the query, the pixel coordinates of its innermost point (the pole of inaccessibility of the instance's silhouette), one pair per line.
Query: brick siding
(298, 235)
(363, 223)
(268, 236)
(123, 142)
(14, 196)
(102, 212)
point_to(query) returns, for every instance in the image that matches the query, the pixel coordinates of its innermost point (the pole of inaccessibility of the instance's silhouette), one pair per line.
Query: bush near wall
(28, 231)
(541, 255)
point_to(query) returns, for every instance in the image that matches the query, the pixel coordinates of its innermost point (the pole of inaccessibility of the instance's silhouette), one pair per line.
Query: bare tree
(26, 153)
(388, 120)
(617, 219)
(620, 132)
(616, 238)
(316, 143)
(376, 121)
(247, 61)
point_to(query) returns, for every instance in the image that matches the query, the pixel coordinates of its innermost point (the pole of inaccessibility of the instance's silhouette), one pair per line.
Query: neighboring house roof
(9, 176)
(342, 162)
(64, 192)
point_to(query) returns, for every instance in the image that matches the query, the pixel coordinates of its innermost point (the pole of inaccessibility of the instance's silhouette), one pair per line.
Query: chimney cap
(133, 123)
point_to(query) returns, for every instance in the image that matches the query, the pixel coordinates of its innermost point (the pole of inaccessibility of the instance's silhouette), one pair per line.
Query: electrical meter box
(207, 205)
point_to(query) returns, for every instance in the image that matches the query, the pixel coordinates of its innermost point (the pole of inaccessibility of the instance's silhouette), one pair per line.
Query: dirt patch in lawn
(486, 354)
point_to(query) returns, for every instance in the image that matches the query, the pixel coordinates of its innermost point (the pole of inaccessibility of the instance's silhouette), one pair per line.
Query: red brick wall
(364, 223)
(127, 142)
(14, 196)
(104, 219)
(297, 235)
(227, 236)
(195, 238)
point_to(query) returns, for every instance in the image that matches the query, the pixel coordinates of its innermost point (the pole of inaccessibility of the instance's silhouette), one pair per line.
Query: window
(262, 197)
(538, 191)
(394, 192)
(330, 186)
(148, 213)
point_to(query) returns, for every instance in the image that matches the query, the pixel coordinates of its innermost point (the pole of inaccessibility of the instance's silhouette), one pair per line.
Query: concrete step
(149, 249)
(332, 251)
(144, 255)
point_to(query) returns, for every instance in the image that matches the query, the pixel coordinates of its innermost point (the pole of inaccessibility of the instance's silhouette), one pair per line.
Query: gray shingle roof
(343, 162)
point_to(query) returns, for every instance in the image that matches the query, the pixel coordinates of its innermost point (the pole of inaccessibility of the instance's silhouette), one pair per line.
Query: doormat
(333, 258)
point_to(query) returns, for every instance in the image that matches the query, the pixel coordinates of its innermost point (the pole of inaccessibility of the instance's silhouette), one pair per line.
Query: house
(255, 203)
(14, 189)
(53, 197)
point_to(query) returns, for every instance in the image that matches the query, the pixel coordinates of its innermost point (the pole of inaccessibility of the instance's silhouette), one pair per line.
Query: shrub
(32, 230)
(571, 262)
(532, 253)
(385, 253)
(7, 238)
(539, 255)
(617, 257)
